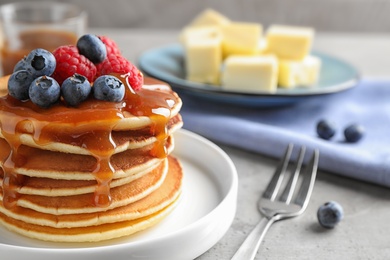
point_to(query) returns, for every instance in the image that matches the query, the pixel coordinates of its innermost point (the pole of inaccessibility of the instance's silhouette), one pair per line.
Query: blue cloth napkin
(269, 130)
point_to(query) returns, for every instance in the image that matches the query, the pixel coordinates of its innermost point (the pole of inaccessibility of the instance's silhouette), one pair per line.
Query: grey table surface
(364, 231)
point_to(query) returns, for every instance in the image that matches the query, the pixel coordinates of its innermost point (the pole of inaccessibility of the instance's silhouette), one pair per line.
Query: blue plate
(167, 64)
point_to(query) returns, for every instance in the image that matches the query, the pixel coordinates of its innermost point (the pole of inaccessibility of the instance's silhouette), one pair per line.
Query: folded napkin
(269, 130)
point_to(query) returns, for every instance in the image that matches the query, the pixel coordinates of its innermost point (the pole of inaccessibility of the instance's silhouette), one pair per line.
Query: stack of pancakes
(91, 173)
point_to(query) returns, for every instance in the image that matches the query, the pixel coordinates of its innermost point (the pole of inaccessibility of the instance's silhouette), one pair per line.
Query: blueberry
(326, 129)
(44, 91)
(354, 133)
(40, 62)
(75, 89)
(19, 83)
(108, 88)
(330, 214)
(92, 47)
(21, 65)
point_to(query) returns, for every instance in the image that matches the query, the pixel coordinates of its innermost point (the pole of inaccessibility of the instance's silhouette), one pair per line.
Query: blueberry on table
(44, 91)
(40, 62)
(353, 133)
(326, 129)
(75, 89)
(108, 88)
(92, 47)
(19, 84)
(330, 214)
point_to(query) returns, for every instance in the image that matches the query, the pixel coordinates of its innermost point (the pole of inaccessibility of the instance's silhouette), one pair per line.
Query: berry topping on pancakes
(73, 68)
(70, 61)
(118, 64)
(108, 88)
(38, 62)
(75, 90)
(111, 46)
(19, 84)
(92, 47)
(44, 91)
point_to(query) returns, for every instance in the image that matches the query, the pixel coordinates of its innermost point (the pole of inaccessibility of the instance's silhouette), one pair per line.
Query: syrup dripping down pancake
(59, 187)
(83, 203)
(103, 225)
(74, 130)
(48, 164)
(124, 140)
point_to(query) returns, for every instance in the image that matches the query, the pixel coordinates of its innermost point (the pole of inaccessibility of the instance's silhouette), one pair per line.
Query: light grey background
(323, 15)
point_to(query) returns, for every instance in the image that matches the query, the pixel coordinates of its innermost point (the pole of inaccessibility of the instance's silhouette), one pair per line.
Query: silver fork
(287, 205)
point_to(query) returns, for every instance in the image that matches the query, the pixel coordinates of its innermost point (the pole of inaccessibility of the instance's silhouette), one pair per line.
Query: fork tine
(273, 186)
(275, 210)
(292, 182)
(308, 181)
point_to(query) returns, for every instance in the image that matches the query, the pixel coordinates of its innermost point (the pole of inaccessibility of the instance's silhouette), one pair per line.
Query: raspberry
(70, 62)
(111, 46)
(118, 64)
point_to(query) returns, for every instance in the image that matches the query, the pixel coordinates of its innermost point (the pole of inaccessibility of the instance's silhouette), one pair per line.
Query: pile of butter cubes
(240, 56)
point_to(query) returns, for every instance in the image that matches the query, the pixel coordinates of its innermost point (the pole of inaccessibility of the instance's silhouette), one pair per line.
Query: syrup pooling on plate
(73, 126)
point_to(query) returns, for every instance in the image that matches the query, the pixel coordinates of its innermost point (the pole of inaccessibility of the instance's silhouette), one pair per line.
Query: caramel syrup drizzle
(72, 126)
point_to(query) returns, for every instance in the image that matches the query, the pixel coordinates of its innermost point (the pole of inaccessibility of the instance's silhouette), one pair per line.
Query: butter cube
(240, 38)
(299, 73)
(206, 23)
(203, 59)
(209, 17)
(289, 42)
(199, 32)
(262, 48)
(250, 73)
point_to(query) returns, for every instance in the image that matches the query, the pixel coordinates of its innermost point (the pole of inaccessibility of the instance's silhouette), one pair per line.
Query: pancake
(74, 130)
(123, 139)
(84, 203)
(168, 192)
(58, 187)
(86, 234)
(47, 164)
(99, 171)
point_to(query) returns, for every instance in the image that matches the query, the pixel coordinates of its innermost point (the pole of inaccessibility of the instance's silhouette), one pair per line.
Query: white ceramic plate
(167, 64)
(203, 215)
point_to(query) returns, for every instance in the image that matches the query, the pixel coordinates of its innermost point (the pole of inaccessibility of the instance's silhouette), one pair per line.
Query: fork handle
(250, 246)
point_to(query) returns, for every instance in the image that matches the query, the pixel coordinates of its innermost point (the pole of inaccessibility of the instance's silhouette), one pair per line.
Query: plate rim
(231, 194)
(190, 86)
